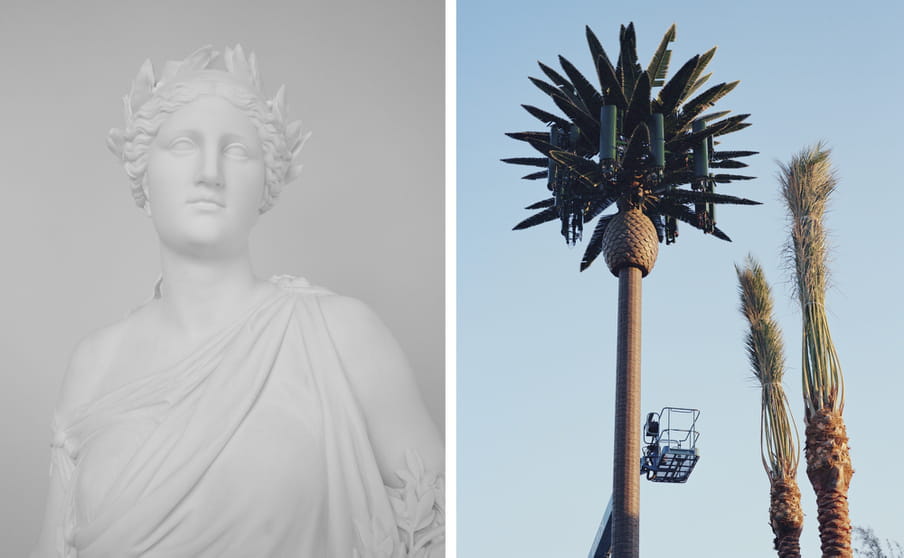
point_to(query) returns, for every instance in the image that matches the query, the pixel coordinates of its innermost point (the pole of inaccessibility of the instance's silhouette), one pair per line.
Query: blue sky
(536, 338)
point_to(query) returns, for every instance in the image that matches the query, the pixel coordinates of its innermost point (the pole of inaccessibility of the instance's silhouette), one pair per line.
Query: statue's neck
(197, 295)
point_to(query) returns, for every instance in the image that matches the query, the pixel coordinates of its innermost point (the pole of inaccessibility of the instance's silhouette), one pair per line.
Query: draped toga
(251, 446)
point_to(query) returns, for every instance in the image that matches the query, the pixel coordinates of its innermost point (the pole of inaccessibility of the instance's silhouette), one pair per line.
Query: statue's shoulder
(88, 361)
(340, 311)
(300, 286)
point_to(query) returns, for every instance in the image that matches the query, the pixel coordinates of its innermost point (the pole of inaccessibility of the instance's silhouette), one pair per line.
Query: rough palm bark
(829, 470)
(630, 241)
(630, 248)
(807, 183)
(786, 517)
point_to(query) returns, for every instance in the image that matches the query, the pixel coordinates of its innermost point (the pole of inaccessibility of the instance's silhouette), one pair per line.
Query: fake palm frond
(584, 183)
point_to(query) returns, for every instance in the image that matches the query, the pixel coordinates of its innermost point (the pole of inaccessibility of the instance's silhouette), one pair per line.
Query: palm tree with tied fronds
(807, 183)
(779, 443)
(621, 146)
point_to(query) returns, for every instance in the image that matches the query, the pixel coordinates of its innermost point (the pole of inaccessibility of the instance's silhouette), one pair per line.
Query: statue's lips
(206, 202)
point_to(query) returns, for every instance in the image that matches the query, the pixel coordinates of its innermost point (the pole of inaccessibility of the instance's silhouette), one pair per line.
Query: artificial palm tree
(779, 443)
(807, 182)
(619, 145)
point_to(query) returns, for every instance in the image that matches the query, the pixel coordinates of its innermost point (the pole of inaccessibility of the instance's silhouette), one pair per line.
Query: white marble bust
(231, 414)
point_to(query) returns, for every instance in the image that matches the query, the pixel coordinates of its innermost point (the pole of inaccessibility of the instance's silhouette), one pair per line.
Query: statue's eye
(236, 150)
(182, 144)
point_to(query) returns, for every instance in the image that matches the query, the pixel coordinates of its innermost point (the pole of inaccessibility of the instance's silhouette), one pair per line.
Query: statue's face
(205, 178)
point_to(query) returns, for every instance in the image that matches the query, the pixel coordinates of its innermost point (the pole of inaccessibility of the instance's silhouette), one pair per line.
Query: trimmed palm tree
(807, 182)
(779, 443)
(621, 146)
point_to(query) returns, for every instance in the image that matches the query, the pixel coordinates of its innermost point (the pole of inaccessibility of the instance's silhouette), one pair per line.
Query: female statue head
(151, 102)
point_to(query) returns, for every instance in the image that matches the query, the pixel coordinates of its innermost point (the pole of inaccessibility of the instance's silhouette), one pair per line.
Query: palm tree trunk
(807, 183)
(626, 467)
(787, 517)
(779, 444)
(829, 469)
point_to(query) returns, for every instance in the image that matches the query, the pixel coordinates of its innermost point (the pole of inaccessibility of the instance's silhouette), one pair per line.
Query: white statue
(231, 416)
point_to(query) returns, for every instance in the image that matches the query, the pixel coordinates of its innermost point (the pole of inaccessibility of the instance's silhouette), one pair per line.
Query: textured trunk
(787, 517)
(626, 467)
(630, 240)
(830, 471)
(630, 246)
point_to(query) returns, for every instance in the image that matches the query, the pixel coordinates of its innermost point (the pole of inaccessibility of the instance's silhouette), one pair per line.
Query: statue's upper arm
(384, 384)
(79, 383)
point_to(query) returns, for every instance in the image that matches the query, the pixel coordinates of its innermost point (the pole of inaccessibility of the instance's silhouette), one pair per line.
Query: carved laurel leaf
(126, 108)
(170, 69)
(419, 507)
(115, 141)
(142, 86)
(279, 103)
(293, 172)
(255, 76)
(293, 131)
(237, 63)
(375, 541)
(415, 463)
(198, 60)
(299, 144)
(295, 138)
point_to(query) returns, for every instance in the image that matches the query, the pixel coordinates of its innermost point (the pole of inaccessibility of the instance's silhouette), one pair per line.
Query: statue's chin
(205, 242)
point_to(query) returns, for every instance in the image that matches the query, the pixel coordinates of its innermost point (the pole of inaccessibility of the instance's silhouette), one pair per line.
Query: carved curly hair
(140, 134)
(151, 102)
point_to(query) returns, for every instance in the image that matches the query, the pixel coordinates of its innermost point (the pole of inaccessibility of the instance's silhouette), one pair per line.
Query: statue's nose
(209, 170)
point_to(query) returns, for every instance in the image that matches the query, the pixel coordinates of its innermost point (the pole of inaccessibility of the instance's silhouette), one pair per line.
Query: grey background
(365, 219)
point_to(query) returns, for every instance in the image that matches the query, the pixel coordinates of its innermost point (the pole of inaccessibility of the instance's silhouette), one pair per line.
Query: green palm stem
(807, 183)
(779, 442)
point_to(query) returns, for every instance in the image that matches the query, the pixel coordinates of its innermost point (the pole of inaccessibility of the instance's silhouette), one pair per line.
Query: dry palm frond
(779, 439)
(807, 182)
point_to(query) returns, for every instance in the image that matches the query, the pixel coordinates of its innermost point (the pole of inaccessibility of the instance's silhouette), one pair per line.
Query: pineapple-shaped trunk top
(630, 240)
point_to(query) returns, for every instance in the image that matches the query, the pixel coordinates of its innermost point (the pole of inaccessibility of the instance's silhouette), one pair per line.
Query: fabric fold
(252, 445)
(203, 410)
